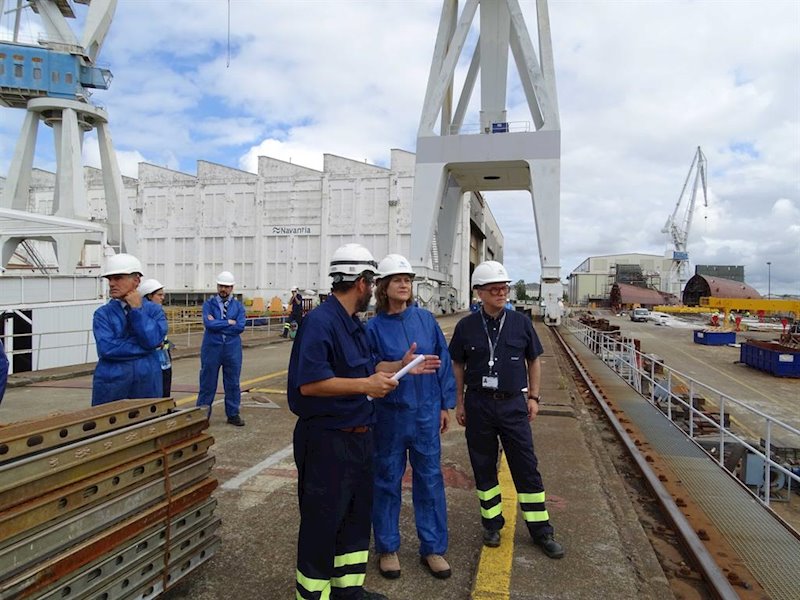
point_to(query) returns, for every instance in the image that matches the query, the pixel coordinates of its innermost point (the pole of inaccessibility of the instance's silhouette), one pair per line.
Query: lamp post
(769, 280)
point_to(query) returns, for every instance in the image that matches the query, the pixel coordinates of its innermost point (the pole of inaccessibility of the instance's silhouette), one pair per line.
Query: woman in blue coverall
(409, 423)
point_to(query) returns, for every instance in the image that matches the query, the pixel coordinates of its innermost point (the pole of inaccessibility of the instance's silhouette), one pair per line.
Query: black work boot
(549, 546)
(491, 538)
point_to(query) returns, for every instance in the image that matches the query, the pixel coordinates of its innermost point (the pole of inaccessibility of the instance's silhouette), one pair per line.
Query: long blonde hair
(382, 297)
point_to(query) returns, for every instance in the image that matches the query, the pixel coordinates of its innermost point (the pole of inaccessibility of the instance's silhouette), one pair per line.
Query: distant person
(154, 291)
(509, 304)
(127, 332)
(296, 312)
(475, 305)
(409, 423)
(3, 371)
(495, 355)
(224, 320)
(332, 379)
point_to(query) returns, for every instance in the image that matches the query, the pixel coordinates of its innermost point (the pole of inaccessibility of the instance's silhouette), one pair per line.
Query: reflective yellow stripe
(355, 579)
(534, 516)
(351, 558)
(531, 498)
(315, 585)
(488, 513)
(489, 494)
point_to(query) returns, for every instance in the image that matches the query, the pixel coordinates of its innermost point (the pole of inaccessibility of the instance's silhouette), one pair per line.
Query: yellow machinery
(752, 305)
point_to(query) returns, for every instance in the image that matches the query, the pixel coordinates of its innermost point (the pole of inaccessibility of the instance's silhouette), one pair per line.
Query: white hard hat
(148, 286)
(294, 288)
(350, 261)
(394, 264)
(489, 271)
(225, 278)
(122, 264)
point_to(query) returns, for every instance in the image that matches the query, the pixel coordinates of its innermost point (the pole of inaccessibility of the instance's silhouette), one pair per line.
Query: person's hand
(461, 414)
(231, 322)
(533, 409)
(431, 363)
(210, 317)
(380, 384)
(134, 299)
(444, 421)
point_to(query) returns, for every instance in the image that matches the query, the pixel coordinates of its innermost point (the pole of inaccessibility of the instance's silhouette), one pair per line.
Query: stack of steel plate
(109, 503)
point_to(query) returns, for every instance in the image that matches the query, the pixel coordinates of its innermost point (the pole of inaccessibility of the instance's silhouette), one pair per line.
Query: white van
(640, 314)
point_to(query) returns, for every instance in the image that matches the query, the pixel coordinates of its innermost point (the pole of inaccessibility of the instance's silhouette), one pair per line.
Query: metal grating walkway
(770, 551)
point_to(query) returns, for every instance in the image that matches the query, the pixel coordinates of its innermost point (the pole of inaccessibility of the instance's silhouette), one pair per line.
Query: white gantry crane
(451, 161)
(679, 223)
(51, 80)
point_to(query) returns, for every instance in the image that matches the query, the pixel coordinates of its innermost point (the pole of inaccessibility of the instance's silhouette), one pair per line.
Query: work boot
(236, 420)
(365, 595)
(389, 565)
(549, 546)
(491, 538)
(437, 565)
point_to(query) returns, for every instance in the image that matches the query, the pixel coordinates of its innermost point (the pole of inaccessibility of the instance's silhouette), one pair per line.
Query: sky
(641, 84)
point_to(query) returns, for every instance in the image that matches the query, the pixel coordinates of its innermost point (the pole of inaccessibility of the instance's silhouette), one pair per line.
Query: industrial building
(274, 229)
(591, 281)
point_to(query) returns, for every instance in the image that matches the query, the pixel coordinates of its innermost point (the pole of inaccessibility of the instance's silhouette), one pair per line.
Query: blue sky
(640, 86)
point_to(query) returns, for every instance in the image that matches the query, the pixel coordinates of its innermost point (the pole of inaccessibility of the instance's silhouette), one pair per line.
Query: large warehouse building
(277, 228)
(591, 281)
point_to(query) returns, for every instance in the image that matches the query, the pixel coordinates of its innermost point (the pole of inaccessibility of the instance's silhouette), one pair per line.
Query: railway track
(697, 560)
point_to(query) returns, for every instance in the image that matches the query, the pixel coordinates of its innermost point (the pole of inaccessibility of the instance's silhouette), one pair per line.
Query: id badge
(489, 382)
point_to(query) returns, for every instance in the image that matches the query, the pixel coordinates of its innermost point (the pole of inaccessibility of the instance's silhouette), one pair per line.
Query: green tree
(522, 293)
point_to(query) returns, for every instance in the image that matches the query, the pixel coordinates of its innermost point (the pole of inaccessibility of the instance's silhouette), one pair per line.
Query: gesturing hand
(431, 363)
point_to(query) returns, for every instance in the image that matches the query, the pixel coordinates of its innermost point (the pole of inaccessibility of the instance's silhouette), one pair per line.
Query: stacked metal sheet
(109, 503)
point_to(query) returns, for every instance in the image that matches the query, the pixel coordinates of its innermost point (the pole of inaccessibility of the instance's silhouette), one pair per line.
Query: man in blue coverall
(3, 371)
(223, 319)
(331, 381)
(127, 331)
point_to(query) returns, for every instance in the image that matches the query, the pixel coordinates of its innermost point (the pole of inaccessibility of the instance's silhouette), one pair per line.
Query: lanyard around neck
(493, 346)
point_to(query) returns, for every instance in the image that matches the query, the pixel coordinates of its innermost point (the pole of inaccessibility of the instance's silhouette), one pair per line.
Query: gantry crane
(679, 223)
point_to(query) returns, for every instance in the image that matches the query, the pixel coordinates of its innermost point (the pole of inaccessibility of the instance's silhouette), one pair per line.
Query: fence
(699, 410)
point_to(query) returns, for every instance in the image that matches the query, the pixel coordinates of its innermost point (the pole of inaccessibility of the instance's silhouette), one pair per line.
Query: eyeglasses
(497, 290)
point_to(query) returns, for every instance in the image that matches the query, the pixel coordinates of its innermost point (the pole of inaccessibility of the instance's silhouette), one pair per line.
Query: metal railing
(683, 400)
(183, 333)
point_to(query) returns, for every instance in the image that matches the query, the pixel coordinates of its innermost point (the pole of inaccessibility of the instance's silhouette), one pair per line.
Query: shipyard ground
(608, 552)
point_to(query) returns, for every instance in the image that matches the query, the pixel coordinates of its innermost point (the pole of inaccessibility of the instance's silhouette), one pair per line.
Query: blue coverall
(333, 451)
(126, 339)
(3, 371)
(501, 412)
(407, 428)
(222, 347)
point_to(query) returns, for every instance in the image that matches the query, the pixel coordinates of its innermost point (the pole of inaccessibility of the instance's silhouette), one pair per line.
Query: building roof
(624, 294)
(700, 286)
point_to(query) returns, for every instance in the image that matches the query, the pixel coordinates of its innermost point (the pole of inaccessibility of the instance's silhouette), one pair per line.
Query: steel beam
(45, 573)
(29, 549)
(64, 501)
(41, 473)
(30, 437)
(110, 566)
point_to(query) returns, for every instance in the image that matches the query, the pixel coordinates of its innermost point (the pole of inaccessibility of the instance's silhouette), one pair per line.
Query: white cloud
(640, 86)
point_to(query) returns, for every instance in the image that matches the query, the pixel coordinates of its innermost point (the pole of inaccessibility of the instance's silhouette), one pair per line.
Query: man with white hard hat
(127, 332)
(332, 378)
(495, 353)
(296, 314)
(223, 319)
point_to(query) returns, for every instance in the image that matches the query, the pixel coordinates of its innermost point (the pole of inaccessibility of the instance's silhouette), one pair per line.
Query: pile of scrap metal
(112, 502)
(599, 324)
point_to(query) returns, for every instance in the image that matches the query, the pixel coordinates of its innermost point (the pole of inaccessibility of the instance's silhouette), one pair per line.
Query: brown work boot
(389, 565)
(437, 565)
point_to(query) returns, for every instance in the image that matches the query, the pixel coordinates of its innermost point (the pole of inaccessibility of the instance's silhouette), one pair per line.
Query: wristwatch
(535, 398)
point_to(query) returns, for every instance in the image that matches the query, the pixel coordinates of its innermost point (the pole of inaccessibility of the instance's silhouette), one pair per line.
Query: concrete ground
(608, 554)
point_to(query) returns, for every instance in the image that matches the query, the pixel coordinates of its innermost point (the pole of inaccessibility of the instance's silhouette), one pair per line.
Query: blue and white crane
(679, 223)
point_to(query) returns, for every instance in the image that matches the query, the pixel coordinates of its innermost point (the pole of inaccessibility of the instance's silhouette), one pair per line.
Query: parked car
(639, 314)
